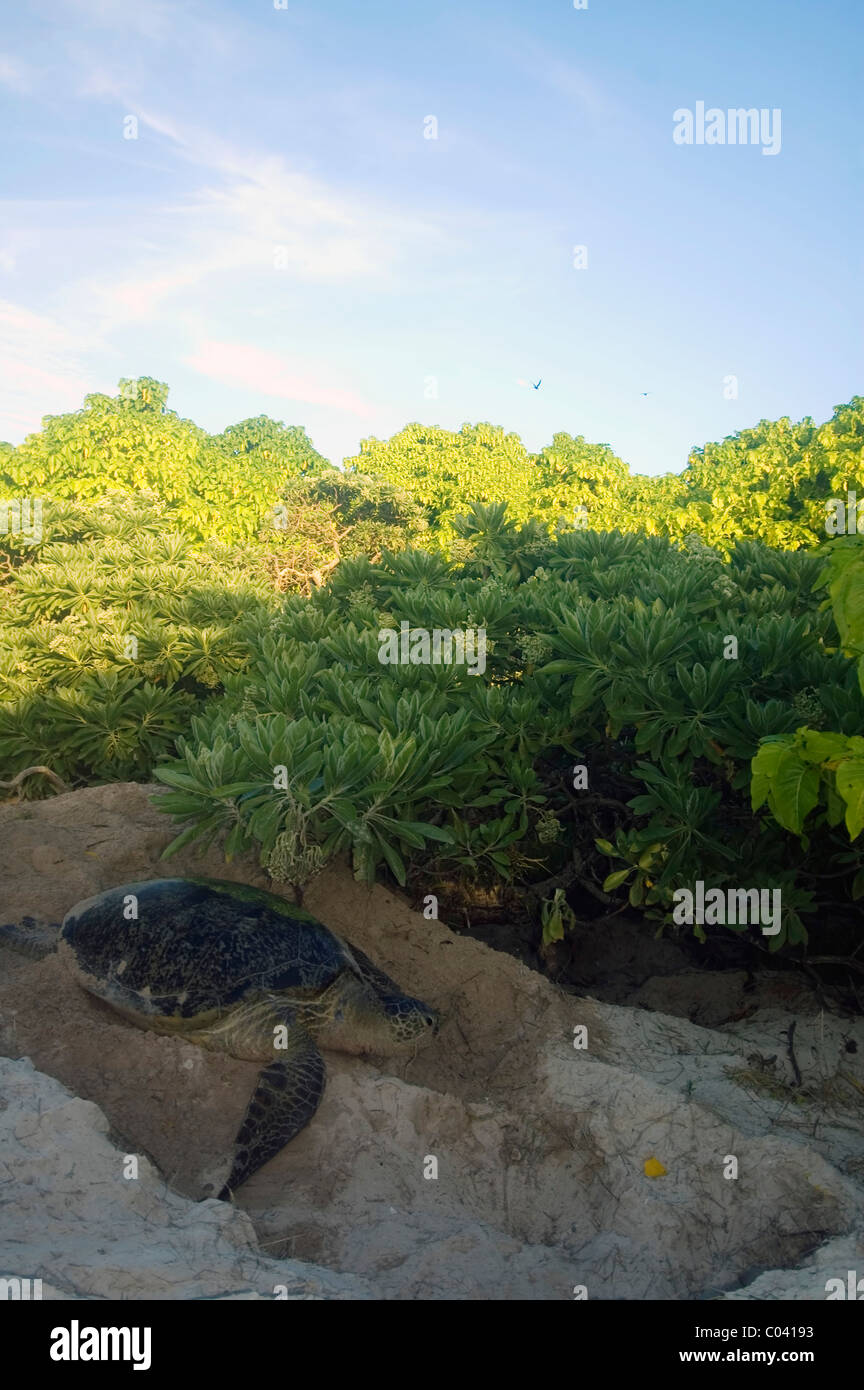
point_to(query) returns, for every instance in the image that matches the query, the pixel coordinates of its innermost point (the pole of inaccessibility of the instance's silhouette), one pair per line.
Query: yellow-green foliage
(769, 483)
(444, 471)
(113, 630)
(223, 486)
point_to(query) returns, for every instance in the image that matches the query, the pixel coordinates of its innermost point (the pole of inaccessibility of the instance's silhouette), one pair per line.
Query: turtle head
(409, 1020)
(361, 1019)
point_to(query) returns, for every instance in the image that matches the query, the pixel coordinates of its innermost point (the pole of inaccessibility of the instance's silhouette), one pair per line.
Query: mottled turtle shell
(199, 945)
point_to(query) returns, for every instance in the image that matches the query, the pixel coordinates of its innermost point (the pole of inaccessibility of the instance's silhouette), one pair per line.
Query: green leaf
(835, 807)
(764, 769)
(394, 859)
(186, 838)
(553, 929)
(615, 880)
(822, 748)
(850, 785)
(235, 841)
(433, 832)
(794, 790)
(560, 668)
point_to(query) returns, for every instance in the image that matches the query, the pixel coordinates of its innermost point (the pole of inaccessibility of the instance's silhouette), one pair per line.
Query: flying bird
(535, 384)
(646, 393)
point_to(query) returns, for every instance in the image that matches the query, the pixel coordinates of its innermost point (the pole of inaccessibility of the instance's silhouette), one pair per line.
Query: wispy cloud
(270, 374)
(570, 80)
(192, 262)
(250, 214)
(40, 369)
(149, 19)
(15, 74)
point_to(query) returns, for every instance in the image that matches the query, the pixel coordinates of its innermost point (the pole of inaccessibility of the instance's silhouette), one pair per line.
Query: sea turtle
(237, 970)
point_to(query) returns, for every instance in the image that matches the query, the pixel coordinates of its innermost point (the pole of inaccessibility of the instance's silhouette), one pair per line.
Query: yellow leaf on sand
(654, 1168)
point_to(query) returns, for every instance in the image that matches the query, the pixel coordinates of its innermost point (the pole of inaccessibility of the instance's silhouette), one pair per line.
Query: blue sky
(281, 239)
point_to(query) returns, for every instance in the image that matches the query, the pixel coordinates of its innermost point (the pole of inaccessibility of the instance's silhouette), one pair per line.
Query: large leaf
(794, 790)
(850, 785)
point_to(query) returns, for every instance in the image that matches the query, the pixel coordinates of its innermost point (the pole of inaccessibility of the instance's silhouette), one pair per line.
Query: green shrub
(609, 656)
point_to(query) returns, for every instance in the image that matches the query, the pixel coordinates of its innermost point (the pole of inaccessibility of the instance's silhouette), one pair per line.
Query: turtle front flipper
(286, 1097)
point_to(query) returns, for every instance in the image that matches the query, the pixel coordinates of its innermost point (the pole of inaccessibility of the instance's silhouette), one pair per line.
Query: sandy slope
(540, 1146)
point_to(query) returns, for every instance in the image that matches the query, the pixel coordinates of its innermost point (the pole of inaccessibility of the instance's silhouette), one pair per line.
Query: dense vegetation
(672, 688)
(770, 483)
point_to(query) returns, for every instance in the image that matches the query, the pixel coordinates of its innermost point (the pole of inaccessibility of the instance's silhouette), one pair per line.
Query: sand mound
(501, 1162)
(87, 1235)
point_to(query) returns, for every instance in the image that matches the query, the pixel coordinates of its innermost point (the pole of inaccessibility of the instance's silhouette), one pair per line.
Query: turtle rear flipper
(286, 1097)
(30, 938)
